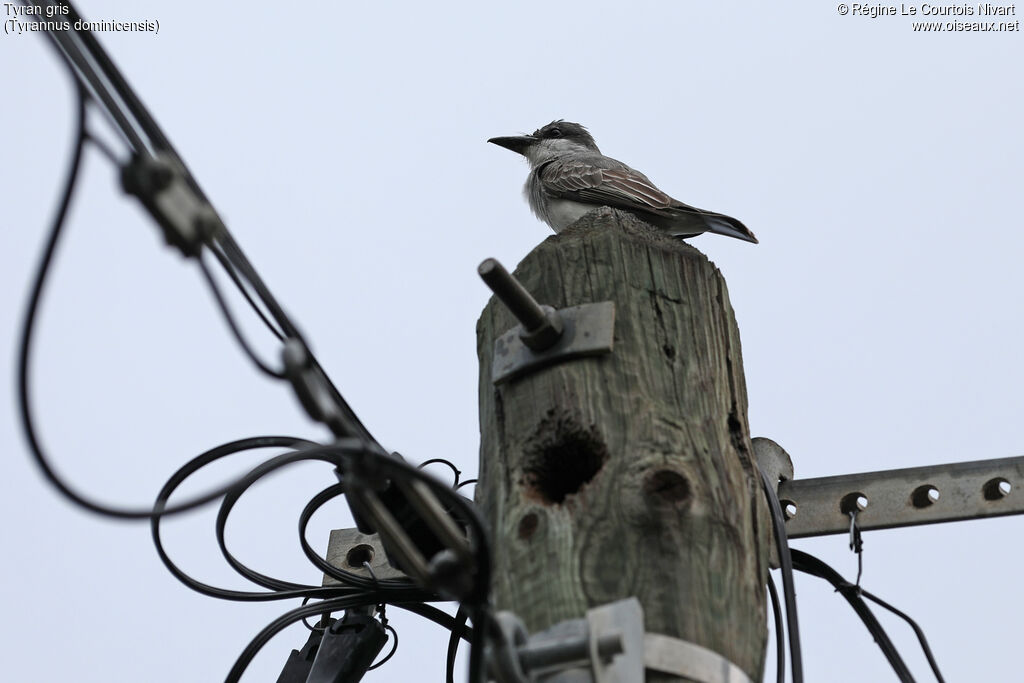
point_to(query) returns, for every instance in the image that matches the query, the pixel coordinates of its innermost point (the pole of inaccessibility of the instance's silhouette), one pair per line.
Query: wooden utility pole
(631, 473)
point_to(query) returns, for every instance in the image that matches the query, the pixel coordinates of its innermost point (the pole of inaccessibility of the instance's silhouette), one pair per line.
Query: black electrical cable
(780, 634)
(186, 471)
(344, 577)
(917, 631)
(230, 270)
(25, 348)
(477, 602)
(360, 599)
(394, 648)
(325, 453)
(438, 617)
(480, 615)
(135, 107)
(131, 117)
(68, 45)
(812, 565)
(233, 326)
(122, 123)
(363, 463)
(447, 463)
(338, 598)
(135, 114)
(335, 455)
(33, 304)
(288, 618)
(788, 587)
(453, 645)
(103, 148)
(260, 579)
(314, 629)
(352, 425)
(336, 573)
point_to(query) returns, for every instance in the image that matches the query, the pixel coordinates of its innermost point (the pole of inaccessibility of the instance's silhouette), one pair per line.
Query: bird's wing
(600, 180)
(597, 179)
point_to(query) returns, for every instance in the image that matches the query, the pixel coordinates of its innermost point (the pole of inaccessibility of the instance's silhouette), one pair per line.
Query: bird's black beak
(516, 143)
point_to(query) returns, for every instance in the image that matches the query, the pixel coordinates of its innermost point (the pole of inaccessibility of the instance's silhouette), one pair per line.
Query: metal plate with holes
(588, 331)
(905, 497)
(348, 548)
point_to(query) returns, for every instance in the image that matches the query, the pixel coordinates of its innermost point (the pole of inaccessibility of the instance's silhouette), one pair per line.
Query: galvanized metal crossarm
(904, 497)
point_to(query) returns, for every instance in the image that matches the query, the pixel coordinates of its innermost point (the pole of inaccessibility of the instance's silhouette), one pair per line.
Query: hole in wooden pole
(562, 459)
(668, 487)
(528, 525)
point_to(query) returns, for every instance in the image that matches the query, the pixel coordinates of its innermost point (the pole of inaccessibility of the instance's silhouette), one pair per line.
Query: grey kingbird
(569, 177)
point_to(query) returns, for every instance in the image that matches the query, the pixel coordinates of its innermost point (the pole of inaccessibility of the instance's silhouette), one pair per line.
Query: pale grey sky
(344, 144)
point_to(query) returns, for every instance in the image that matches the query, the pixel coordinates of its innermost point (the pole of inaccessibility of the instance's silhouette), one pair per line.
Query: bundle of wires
(98, 82)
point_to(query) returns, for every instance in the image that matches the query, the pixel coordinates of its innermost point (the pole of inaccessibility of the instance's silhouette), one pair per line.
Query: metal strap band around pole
(677, 657)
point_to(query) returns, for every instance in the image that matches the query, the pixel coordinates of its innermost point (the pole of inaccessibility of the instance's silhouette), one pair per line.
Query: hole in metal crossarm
(788, 508)
(359, 554)
(854, 501)
(996, 489)
(924, 495)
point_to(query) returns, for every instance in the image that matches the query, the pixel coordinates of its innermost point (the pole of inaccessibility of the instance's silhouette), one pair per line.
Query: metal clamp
(545, 336)
(161, 184)
(607, 644)
(693, 662)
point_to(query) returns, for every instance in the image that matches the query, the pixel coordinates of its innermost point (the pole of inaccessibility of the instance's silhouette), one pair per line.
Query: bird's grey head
(556, 139)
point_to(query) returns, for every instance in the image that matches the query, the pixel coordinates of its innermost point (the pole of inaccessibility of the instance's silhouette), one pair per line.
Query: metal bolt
(564, 651)
(541, 324)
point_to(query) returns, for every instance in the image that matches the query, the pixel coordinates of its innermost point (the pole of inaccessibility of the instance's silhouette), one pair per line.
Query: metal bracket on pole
(545, 336)
(896, 498)
(694, 663)
(348, 549)
(609, 645)
(606, 646)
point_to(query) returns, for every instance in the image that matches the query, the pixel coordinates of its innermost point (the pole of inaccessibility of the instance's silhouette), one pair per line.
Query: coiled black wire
(143, 136)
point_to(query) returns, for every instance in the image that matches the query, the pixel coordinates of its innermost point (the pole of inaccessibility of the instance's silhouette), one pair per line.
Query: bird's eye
(554, 133)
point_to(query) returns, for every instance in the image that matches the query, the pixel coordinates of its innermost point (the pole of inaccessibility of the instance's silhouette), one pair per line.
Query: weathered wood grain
(630, 473)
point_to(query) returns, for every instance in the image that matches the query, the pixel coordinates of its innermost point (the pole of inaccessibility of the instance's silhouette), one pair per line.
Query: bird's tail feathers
(693, 221)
